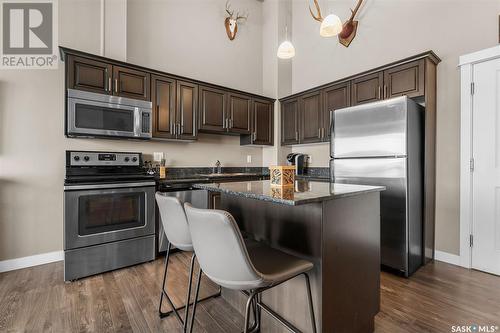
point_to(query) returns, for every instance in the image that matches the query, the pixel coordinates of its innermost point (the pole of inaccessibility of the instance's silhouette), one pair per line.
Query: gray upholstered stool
(249, 267)
(176, 229)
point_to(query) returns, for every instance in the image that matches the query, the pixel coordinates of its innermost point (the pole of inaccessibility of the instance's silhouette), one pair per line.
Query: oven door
(102, 213)
(90, 114)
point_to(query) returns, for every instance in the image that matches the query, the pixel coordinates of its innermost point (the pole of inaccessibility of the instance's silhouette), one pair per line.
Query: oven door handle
(106, 186)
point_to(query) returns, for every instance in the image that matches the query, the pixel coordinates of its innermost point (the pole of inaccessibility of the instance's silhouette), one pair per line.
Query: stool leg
(164, 279)
(247, 312)
(188, 295)
(195, 302)
(311, 308)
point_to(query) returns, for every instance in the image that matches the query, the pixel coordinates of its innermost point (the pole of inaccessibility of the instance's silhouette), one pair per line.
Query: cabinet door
(214, 200)
(263, 123)
(240, 109)
(367, 88)
(131, 83)
(290, 122)
(311, 117)
(407, 79)
(187, 104)
(163, 98)
(335, 97)
(89, 75)
(213, 113)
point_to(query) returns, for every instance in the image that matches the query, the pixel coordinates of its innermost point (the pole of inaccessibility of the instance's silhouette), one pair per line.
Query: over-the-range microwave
(91, 114)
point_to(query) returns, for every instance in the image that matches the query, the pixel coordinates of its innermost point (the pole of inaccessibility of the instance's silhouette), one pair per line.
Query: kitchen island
(335, 226)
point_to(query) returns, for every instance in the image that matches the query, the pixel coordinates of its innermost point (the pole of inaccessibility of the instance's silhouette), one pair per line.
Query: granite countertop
(304, 191)
(206, 177)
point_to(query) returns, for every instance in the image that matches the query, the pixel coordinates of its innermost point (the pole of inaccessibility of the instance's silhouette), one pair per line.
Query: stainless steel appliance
(299, 160)
(185, 193)
(91, 114)
(381, 143)
(109, 213)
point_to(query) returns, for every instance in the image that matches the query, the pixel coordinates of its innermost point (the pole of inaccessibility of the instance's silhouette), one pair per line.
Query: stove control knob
(134, 159)
(76, 158)
(86, 158)
(127, 159)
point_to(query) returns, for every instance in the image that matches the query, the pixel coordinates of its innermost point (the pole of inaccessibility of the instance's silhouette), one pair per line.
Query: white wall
(32, 141)
(394, 29)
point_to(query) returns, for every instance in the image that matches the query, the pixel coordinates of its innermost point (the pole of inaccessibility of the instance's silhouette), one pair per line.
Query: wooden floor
(37, 300)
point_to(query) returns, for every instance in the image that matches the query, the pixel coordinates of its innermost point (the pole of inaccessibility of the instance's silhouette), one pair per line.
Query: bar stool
(176, 229)
(249, 267)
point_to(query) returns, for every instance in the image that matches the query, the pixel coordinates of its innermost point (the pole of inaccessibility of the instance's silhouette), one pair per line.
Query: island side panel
(293, 229)
(351, 263)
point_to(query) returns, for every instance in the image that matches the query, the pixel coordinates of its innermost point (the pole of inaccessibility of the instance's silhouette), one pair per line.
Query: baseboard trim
(24, 262)
(447, 257)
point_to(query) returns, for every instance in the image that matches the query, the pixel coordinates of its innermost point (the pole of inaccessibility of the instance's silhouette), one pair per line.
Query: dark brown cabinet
(131, 83)
(262, 118)
(101, 77)
(187, 104)
(174, 108)
(89, 75)
(335, 97)
(311, 117)
(406, 79)
(213, 109)
(367, 88)
(290, 122)
(163, 98)
(239, 115)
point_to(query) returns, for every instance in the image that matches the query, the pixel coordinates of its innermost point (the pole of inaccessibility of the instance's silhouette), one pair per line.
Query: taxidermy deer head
(349, 27)
(231, 21)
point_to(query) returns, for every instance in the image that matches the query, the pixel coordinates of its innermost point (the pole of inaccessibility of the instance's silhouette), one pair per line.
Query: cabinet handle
(385, 91)
(172, 128)
(254, 136)
(231, 122)
(319, 133)
(109, 84)
(296, 136)
(379, 92)
(116, 85)
(181, 128)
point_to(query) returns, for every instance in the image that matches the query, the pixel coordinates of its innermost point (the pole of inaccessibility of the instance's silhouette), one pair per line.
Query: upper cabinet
(311, 117)
(262, 119)
(240, 109)
(89, 75)
(367, 88)
(290, 121)
(307, 117)
(131, 83)
(213, 109)
(187, 110)
(335, 97)
(407, 79)
(164, 109)
(181, 107)
(101, 77)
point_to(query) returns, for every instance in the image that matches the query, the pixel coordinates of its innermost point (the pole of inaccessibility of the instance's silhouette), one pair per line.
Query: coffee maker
(299, 160)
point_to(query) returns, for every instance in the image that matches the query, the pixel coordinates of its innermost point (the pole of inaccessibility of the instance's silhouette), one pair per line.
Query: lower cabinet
(214, 200)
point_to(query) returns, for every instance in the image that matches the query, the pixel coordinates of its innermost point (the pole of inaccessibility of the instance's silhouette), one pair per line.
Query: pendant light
(331, 26)
(286, 49)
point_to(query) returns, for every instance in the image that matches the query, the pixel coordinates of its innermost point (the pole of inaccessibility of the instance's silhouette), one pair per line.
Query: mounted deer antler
(350, 27)
(231, 22)
(318, 18)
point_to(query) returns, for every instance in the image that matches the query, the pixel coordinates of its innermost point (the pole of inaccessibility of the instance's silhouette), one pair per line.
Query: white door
(486, 174)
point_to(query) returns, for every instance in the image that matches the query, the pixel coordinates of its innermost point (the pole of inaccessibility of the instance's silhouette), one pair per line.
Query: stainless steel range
(109, 213)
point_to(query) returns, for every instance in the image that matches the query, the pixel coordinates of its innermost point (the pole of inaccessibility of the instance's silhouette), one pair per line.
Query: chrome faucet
(217, 167)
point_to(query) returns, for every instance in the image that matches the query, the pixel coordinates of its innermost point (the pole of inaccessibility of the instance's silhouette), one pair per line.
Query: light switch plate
(249, 158)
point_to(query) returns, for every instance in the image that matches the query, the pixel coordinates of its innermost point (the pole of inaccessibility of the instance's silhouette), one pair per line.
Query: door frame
(466, 65)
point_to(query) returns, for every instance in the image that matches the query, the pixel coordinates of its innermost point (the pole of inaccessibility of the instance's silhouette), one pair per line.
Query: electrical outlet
(249, 158)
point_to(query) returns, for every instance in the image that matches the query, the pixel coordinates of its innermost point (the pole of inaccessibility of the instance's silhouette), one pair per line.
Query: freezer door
(370, 130)
(391, 173)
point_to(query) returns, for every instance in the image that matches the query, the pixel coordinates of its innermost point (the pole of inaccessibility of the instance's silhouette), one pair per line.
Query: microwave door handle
(137, 122)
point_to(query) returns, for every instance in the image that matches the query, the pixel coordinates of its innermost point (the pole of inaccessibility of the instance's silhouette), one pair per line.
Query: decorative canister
(282, 175)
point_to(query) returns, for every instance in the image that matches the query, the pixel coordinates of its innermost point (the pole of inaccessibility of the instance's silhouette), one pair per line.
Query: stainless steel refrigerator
(381, 143)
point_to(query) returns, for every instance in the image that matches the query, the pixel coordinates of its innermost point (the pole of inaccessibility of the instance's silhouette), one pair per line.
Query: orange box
(282, 175)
